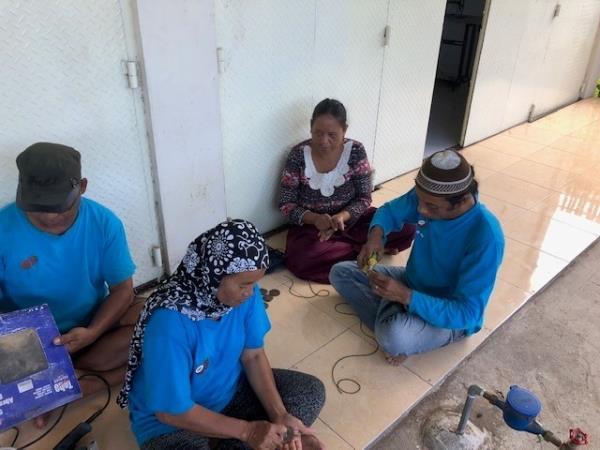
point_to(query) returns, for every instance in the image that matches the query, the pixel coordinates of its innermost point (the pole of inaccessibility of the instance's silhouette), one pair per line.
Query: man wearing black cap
(71, 253)
(442, 293)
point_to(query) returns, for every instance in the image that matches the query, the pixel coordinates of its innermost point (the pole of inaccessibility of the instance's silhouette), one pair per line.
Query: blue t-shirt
(186, 362)
(69, 272)
(453, 263)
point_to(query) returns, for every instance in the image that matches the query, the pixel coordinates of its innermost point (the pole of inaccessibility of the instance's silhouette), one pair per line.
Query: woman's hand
(298, 428)
(324, 235)
(339, 220)
(323, 222)
(263, 435)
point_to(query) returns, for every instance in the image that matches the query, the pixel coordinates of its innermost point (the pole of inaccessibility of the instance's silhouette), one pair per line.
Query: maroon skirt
(310, 259)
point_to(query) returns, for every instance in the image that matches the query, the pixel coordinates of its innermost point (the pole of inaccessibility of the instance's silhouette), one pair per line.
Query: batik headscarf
(230, 247)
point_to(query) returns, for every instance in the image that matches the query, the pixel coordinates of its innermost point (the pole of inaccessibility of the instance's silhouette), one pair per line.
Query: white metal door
(409, 69)
(506, 24)
(349, 48)
(63, 80)
(532, 55)
(567, 55)
(528, 72)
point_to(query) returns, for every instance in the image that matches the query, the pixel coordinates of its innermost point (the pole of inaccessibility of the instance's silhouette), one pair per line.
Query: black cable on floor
(17, 432)
(320, 293)
(337, 382)
(108, 395)
(48, 431)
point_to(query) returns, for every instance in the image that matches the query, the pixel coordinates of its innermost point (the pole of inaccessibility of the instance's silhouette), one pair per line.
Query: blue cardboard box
(36, 376)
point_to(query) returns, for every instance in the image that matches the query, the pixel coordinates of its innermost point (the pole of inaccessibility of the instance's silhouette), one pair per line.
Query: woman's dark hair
(332, 107)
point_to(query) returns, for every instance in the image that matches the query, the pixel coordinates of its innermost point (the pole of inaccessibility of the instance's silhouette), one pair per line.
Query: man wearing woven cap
(442, 293)
(71, 253)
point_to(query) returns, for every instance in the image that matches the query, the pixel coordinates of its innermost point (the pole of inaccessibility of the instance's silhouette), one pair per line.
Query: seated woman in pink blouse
(326, 196)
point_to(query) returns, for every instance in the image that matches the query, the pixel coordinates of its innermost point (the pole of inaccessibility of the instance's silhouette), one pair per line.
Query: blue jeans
(397, 331)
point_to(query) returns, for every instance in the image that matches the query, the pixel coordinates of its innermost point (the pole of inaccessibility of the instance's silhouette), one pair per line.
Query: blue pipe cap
(522, 407)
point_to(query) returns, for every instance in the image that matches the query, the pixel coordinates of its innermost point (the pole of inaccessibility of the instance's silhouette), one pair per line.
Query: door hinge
(531, 113)
(133, 79)
(220, 60)
(387, 31)
(556, 11)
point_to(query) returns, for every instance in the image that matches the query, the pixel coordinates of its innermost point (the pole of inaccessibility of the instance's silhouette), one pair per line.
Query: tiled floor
(539, 179)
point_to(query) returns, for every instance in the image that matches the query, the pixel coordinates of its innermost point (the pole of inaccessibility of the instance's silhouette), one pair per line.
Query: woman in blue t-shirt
(198, 374)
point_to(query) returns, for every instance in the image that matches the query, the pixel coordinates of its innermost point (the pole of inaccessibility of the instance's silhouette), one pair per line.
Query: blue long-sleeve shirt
(453, 264)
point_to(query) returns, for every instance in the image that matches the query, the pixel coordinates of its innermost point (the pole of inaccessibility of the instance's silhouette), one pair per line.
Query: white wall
(178, 45)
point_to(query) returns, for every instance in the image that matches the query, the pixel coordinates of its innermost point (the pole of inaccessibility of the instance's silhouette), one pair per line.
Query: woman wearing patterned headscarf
(197, 371)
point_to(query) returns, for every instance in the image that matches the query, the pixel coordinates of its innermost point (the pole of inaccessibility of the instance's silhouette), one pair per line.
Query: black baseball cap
(49, 176)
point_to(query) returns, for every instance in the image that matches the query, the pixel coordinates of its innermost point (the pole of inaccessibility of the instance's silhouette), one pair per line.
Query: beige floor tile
(401, 184)
(510, 145)
(590, 132)
(361, 330)
(561, 160)
(336, 308)
(278, 240)
(578, 205)
(504, 301)
(328, 436)
(514, 191)
(383, 195)
(527, 267)
(589, 179)
(539, 174)
(386, 391)
(298, 329)
(538, 135)
(274, 280)
(481, 173)
(551, 236)
(327, 300)
(480, 156)
(504, 211)
(578, 147)
(435, 365)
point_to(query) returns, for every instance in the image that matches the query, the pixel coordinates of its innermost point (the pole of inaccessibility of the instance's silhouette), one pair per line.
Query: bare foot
(391, 251)
(395, 360)
(41, 421)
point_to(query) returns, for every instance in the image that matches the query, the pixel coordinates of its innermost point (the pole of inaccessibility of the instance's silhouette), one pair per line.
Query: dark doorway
(460, 36)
